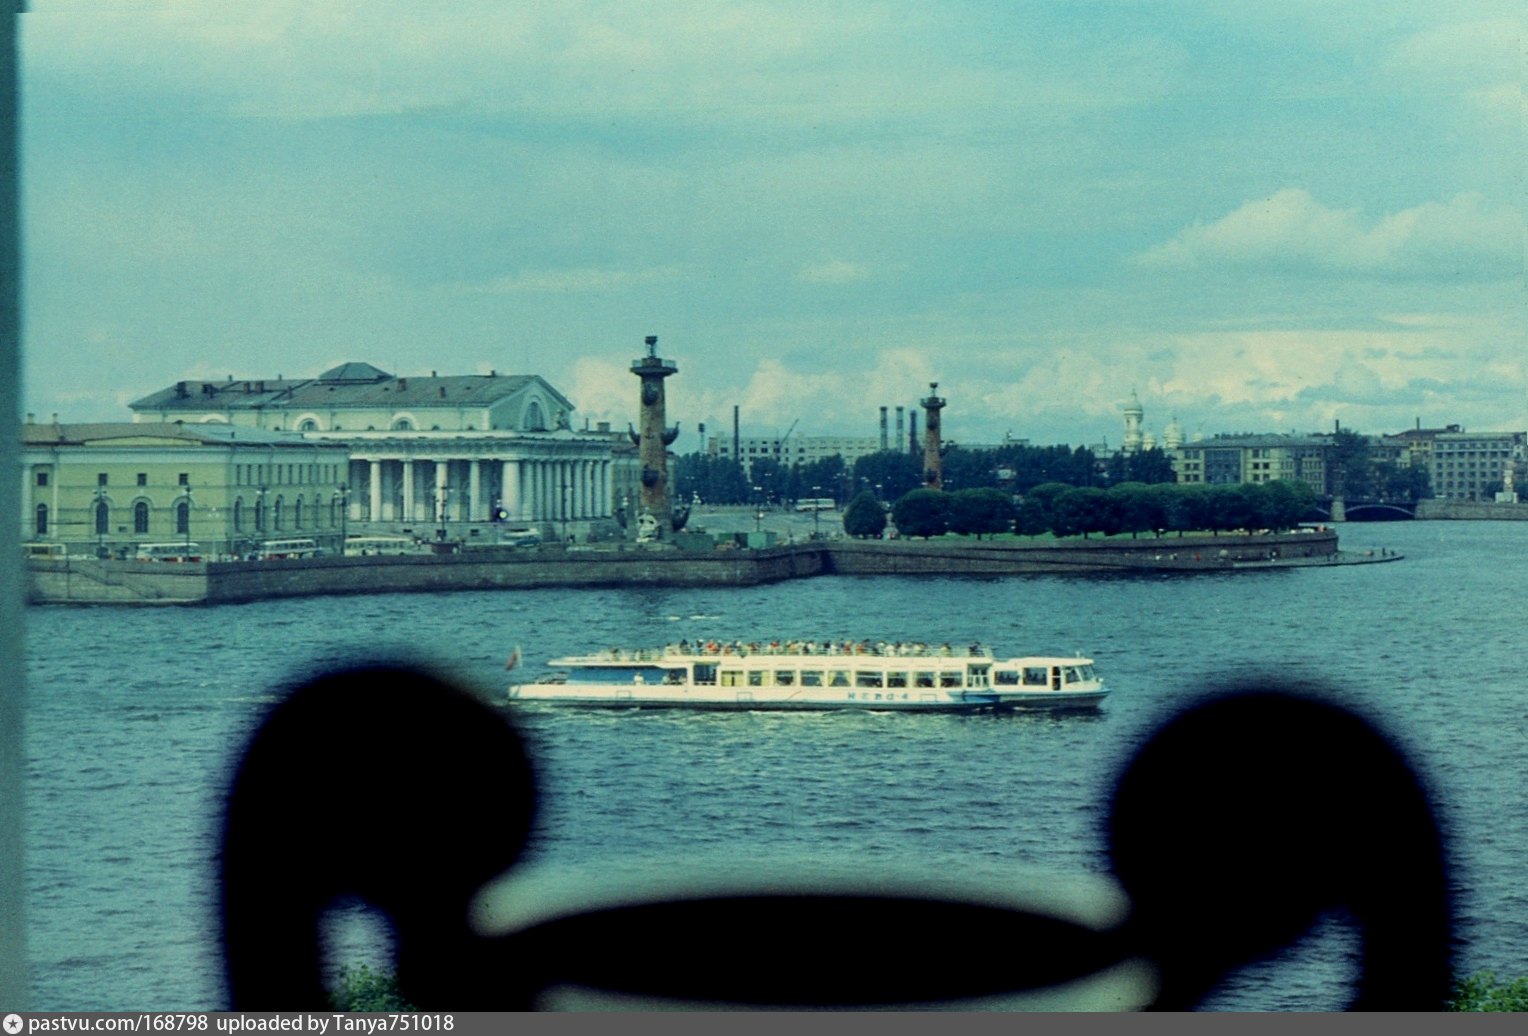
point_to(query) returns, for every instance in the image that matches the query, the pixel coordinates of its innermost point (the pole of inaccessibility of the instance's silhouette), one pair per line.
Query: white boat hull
(886, 678)
(609, 695)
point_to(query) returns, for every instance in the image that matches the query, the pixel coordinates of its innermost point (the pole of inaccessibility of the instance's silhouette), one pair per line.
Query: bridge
(1338, 509)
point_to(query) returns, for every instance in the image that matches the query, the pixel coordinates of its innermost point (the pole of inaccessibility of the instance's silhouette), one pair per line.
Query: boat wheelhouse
(809, 675)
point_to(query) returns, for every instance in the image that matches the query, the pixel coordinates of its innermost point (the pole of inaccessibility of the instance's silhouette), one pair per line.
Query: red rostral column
(654, 438)
(933, 466)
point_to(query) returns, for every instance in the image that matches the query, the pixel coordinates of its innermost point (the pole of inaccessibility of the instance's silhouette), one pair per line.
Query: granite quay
(95, 581)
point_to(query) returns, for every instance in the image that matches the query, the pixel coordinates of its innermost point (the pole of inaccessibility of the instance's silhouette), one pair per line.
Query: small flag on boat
(514, 658)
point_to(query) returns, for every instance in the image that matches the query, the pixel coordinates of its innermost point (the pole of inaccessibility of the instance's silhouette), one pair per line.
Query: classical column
(374, 490)
(442, 469)
(509, 497)
(476, 512)
(408, 491)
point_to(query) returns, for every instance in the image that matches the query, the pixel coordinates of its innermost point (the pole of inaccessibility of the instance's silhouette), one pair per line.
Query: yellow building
(110, 488)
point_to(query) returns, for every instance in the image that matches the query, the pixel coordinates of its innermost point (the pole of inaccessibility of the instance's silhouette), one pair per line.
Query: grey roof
(1265, 440)
(209, 434)
(354, 372)
(350, 385)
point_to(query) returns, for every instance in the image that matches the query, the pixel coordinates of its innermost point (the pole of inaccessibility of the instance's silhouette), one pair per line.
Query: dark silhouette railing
(1237, 826)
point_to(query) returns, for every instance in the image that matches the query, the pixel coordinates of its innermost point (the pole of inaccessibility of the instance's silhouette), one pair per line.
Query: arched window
(102, 518)
(259, 515)
(297, 514)
(334, 512)
(42, 519)
(238, 515)
(309, 425)
(276, 515)
(534, 421)
(141, 517)
(183, 518)
(403, 424)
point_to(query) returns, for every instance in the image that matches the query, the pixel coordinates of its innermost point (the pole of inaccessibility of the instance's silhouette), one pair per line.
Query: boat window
(756, 678)
(1073, 674)
(811, 678)
(949, 679)
(896, 679)
(785, 677)
(1034, 676)
(732, 678)
(923, 679)
(867, 678)
(705, 674)
(838, 678)
(1005, 677)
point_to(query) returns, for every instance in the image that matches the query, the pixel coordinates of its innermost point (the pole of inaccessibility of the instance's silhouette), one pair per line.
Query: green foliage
(896, 473)
(865, 516)
(1084, 510)
(717, 480)
(362, 989)
(980, 511)
(1482, 992)
(923, 512)
(1147, 467)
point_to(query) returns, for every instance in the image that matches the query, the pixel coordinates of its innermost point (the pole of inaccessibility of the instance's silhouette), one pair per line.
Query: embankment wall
(1463, 510)
(91, 581)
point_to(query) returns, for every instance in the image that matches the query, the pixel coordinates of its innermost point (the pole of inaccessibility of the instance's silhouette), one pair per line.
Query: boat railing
(828, 649)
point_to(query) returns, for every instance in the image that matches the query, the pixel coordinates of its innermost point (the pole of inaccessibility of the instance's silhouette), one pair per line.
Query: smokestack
(899, 425)
(912, 433)
(884, 443)
(737, 440)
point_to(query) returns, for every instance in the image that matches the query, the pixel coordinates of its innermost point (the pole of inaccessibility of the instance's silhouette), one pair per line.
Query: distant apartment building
(791, 451)
(1234, 459)
(1475, 465)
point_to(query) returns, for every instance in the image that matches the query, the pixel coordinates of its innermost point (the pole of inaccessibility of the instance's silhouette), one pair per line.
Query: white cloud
(568, 281)
(1291, 231)
(836, 271)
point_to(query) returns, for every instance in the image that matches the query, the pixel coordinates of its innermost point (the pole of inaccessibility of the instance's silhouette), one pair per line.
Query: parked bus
(279, 550)
(816, 503)
(168, 552)
(374, 546)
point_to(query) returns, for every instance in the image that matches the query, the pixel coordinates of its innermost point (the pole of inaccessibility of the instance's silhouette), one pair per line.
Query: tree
(923, 512)
(1084, 510)
(865, 516)
(1037, 511)
(978, 511)
(1350, 471)
(896, 473)
(1137, 508)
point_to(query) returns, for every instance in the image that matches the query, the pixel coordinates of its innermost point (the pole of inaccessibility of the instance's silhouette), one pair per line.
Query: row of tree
(1064, 510)
(891, 474)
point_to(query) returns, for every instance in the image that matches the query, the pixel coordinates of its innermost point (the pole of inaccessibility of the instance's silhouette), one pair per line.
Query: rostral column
(933, 463)
(654, 438)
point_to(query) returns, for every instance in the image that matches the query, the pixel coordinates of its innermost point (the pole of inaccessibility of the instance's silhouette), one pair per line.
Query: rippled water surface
(135, 714)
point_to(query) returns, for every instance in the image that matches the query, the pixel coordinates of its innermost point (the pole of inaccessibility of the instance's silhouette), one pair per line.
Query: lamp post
(816, 512)
(440, 513)
(343, 494)
(100, 522)
(186, 503)
(565, 488)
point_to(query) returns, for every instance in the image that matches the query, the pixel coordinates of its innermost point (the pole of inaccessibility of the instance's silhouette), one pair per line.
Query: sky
(1254, 216)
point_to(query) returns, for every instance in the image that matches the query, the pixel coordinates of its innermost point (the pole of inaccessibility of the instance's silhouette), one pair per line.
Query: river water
(134, 716)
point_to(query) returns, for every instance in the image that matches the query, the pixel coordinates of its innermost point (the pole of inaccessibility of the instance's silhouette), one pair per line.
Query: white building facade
(460, 448)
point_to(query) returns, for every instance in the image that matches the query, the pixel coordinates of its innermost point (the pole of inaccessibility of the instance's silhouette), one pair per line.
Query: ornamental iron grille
(1240, 823)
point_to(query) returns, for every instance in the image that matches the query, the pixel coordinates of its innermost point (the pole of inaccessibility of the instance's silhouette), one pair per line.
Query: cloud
(1291, 232)
(836, 271)
(567, 281)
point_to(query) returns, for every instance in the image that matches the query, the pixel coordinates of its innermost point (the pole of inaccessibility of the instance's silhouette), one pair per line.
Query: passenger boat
(810, 675)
